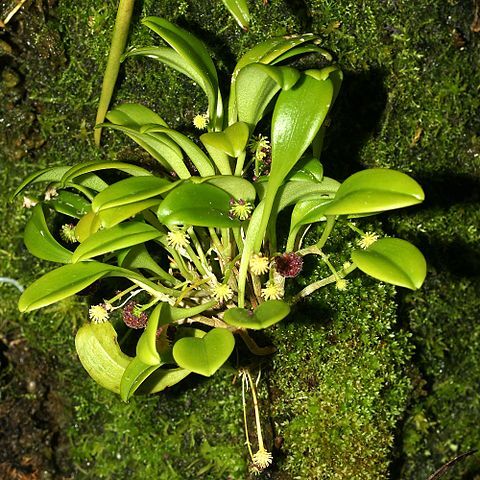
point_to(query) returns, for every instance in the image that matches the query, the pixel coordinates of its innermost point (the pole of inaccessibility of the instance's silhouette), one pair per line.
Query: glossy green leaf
(147, 343)
(130, 190)
(394, 261)
(40, 242)
(204, 355)
(302, 50)
(231, 141)
(158, 146)
(109, 240)
(239, 11)
(69, 203)
(100, 354)
(135, 374)
(256, 85)
(375, 190)
(236, 187)
(89, 167)
(61, 283)
(88, 225)
(265, 315)
(162, 379)
(307, 170)
(134, 115)
(192, 151)
(310, 210)
(193, 53)
(297, 117)
(200, 205)
(113, 216)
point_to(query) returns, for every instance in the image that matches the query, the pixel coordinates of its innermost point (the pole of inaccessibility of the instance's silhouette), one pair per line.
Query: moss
(354, 391)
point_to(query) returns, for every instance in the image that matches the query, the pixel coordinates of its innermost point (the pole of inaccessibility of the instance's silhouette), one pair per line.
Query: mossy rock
(367, 383)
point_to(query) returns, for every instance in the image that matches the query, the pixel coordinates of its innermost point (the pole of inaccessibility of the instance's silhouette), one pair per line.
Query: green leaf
(87, 226)
(113, 216)
(69, 203)
(256, 85)
(307, 170)
(302, 50)
(237, 187)
(394, 261)
(135, 374)
(89, 167)
(265, 315)
(194, 204)
(297, 118)
(204, 355)
(231, 141)
(130, 190)
(375, 190)
(239, 11)
(162, 379)
(40, 242)
(120, 236)
(100, 354)
(134, 115)
(61, 283)
(193, 152)
(147, 343)
(194, 54)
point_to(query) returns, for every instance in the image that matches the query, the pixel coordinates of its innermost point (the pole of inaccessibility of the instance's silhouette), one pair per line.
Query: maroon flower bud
(132, 318)
(289, 265)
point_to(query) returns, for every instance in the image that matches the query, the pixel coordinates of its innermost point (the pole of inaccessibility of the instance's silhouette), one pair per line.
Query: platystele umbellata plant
(192, 241)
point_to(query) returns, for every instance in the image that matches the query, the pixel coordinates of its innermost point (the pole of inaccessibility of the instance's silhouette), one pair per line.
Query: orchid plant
(193, 238)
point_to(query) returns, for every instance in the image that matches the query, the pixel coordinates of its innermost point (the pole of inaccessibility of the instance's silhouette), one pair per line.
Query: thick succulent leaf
(193, 152)
(100, 354)
(265, 315)
(256, 85)
(69, 203)
(307, 169)
(40, 242)
(130, 190)
(237, 187)
(88, 225)
(162, 379)
(159, 146)
(109, 240)
(135, 374)
(302, 50)
(113, 216)
(89, 167)
(134, 116)
(147, 344)
(297, 117)
(375, 190)
(394, 261)
(194, 204)
(231, 141)
(309, 211)
(61, 283)
(193, 53)
(204, 355)
(239, 11)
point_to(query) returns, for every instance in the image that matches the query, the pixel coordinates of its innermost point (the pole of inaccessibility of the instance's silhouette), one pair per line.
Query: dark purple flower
(289, 265)
(132, 318)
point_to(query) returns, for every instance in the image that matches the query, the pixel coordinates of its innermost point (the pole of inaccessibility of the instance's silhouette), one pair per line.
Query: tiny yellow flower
(177, 239)
(98, 313)
(346, 265)
(222, 292)
(262, 459)
(341, 284)
(368, 239)
(200, 121)
(240, 209)
(259, 146)
(272, 291)
(67, 232)
(259, 264)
